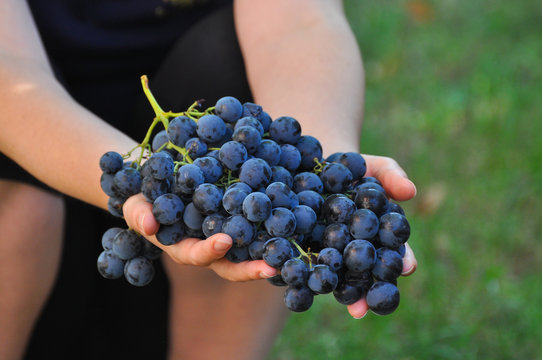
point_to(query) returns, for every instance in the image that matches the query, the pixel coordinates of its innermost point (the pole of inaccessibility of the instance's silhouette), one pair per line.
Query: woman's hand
(191, 251)
(400, 188)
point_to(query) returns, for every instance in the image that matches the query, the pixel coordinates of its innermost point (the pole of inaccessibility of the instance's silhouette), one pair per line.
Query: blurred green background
(454, 93)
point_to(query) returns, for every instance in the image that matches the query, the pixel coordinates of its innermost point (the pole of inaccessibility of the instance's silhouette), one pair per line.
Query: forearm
(46, 132)
(309, 68)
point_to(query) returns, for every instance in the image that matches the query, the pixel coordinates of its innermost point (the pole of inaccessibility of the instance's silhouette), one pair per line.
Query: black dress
(99, 49)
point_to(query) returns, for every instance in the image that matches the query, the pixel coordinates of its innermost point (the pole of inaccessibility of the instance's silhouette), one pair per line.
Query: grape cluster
(231, 169)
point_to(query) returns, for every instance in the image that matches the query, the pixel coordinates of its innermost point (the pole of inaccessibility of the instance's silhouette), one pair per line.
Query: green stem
(181, 150)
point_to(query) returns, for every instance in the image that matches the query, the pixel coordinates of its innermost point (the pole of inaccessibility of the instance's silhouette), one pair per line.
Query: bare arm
(43, 128)
(303, 61)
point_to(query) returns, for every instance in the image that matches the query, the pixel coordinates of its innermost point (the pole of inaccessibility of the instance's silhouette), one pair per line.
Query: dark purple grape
(334, 157)
(257, 247)
(309, 148)
(251, 109)
(363, 280)
(339, 209)
(229, 109)
(151, 251)
(336, 236)
(269, 151)
(394, 230)
(139, 271)
(257, 207)
(285, 130)
(276, 280)
(250, 121)
(212, 224)
(168, 209)
(108, 236)
(312, 199)
(305, 219)
(335, 177)
(181, 129)
(290, 158)
(110, 266)
(207, 198)
(388, 265)
(298, 299)
(232, 155)
(188, 178)
(107, 184)
(308, 181)
(295, 272)
(248, 136)
(281, 195)
(240, 230)
(232, 201)
(210, 167)
(359, 256)
(369, 179)
(346, 294)
(196, 147)
(111, 162)
(211, 128)
(371, 199)
(127, 244)
(256, 173)
(355, 163)
(370, 185)
(280, 174)
(160, 165)
(383, 298)
(277, 251)
(192, 218)
(322, 280)
(331, 257)
(364, 224)
(241, 186)
(152, 188)
(170, 234)
(114, 205)
(393, 207)
(281, 222)
(237, 254)
(127, 182)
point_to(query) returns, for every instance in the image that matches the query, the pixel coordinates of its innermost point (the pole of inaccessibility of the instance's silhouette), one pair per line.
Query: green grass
(456, 98)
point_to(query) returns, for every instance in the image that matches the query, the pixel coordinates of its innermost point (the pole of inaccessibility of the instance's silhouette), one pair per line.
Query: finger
(243, 271)
(138, 215)
(409, 261)
(193, 251)
(358, 309)
(392, 176)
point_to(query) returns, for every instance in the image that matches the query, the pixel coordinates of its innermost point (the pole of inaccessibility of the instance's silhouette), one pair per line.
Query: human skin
(309, 67)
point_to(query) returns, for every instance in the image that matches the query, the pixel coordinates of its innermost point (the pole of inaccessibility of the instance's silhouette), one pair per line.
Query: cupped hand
(400, 188)
(192, 251)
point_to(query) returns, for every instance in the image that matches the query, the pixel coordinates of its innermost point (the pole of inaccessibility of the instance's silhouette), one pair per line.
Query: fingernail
(361, 317)
(408, 271)
(222, 244)
(141, 222)
(266, 275)
(415, 189)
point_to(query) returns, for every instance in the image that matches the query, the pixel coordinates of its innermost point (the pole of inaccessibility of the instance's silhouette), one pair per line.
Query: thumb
(138, 215)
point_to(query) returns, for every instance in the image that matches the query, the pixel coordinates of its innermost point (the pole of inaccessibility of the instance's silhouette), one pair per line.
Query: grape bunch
(231, 169)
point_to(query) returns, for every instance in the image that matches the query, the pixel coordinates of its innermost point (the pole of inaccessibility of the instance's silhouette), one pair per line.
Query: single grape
(346, 294)
(295, 272)
(359, 255)
(277, 251)
(250, 121)
(336, 236)
(168, 209)
(370, 185)
(181, 129)
(285, 130)
(188, 178)
(355, 163)
(322, 280)
(108, 236)
(151, 251)
(331, 257)
(107, 184)
(388, 265)
(110, 266)
(240, 230)
(371, 199)
(160, 165)
(139, 271)
(280, 174)
(269, 151)
(339, 209)
(334, 157)
(127, 244)
(196, 147)
(305, 219)
(232, 155)
(281, 195)
(312, 199)
(256, 173)
(280, 223)
(249, 137)
(127, 182)
(308, 181)
(210, 167)
(335, 177)
(383, 298)
(111, 162)
(256, 207)
(152, 188)
(257, 247)
(212, 224)
(192, 218)
(232, 201)
(364, 224)
(237, 254)
(290, 158)
(114, 205)
(393, 207)
(394, 230)
(309, 148)
(211, 128)
(170, 234)
(298, 299)
(276, 280)
(207, 198)
(229, 109)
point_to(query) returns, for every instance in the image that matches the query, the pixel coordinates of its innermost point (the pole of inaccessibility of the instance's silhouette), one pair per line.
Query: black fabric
(88, 317)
